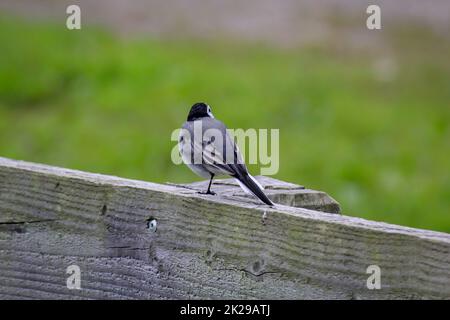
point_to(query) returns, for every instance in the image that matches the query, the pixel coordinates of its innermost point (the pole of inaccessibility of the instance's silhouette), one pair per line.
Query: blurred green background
(370, 128)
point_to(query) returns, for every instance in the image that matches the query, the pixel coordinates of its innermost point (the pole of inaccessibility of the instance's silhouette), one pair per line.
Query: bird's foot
(208, 192)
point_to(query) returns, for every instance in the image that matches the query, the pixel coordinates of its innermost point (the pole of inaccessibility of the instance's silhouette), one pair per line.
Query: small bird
(208, 150)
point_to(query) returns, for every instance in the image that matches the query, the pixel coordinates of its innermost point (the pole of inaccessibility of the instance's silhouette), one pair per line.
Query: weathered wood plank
(203, 247)
(278, 191)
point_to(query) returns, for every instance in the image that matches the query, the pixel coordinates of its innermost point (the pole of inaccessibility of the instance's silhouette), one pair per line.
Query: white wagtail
(208, 150)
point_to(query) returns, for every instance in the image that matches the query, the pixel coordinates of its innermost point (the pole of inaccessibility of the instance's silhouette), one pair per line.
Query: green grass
(90, 101)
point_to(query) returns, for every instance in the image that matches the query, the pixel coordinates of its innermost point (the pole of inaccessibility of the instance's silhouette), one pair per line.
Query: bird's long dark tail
(250, 185)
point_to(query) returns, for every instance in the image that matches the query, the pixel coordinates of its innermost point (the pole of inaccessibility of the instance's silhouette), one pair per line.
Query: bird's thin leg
(209, 187)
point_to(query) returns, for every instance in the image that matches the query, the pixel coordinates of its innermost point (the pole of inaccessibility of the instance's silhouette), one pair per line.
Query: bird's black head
(199, 110)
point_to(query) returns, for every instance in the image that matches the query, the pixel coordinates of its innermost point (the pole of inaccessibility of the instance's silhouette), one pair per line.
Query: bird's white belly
(199, 170)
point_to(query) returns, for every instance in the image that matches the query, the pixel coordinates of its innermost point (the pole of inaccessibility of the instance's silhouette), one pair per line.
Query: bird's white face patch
(209, 112)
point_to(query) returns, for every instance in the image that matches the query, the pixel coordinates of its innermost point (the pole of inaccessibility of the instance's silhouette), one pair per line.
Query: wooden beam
(141, 240)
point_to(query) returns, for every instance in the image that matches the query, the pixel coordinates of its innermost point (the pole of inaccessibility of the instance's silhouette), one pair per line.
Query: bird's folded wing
(215, 155)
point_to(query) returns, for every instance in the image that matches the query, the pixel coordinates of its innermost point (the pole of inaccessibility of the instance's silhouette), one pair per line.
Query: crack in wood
(129, 248)
(248, 271)
(27, 222)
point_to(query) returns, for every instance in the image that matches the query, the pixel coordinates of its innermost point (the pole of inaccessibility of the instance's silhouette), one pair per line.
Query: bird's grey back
(214, 134)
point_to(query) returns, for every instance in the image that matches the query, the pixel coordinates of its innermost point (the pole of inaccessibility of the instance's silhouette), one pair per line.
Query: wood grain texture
(204, 246)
